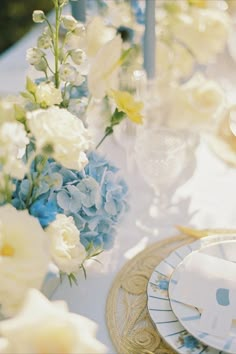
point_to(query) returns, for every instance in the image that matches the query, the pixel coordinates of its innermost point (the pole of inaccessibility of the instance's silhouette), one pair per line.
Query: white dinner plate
(189, 316)
(159, 306)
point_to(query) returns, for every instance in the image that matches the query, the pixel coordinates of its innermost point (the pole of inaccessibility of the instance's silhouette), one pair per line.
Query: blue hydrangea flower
(95, 198)
(44, 210)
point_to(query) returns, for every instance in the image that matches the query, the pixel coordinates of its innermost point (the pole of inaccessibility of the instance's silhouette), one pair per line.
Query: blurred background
(16, 19)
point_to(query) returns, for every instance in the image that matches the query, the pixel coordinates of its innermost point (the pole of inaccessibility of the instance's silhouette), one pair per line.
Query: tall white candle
(78, 9)
(149, 45)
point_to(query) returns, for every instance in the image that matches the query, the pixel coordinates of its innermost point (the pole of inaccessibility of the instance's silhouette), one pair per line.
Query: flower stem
(109, 131)
(56, 44)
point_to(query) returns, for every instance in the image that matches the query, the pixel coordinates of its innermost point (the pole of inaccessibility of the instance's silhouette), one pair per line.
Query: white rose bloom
(203, 31)
(13, 138)
(34, 56)
(197, 103)
(103, 74)
(66, 250)
(65, 132)
(47, 94)
(24, 257)
(48, 328)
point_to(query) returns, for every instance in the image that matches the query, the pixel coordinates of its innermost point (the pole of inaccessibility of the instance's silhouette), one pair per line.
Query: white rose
(64, 131)
(47, 327)
(66, 250)
(24, 256)
(173, 59)
(103, 74)
(34, 56)
(197, 103)
(203, 31)
(47, 95)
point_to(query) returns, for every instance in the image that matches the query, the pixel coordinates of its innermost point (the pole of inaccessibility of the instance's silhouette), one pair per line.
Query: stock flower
(44, 41)
(65, 132)
(125, 103)
(47, 94)
(68, 72)
(103, 74)
(49, 330)
(78, 56)
(69, 22)
(13, 139)
(66, 250)
(34, 56)
(24, 256)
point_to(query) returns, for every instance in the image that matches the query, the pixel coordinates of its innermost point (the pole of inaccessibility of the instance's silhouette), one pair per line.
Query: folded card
(208, 283)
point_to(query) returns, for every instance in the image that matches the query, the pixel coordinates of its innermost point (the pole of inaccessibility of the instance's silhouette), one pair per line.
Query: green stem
(109, 131)
(56, 44)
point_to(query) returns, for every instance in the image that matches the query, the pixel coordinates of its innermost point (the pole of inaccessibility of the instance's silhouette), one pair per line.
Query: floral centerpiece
(60, 200)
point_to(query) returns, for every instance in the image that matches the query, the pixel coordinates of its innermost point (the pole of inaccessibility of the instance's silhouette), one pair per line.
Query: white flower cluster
(48, 327)
(189, 33)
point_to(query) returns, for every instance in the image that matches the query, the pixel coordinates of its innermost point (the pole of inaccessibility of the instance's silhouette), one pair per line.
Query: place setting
(191, 296)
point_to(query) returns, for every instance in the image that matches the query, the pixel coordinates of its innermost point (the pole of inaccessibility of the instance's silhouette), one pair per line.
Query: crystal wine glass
(161, 155)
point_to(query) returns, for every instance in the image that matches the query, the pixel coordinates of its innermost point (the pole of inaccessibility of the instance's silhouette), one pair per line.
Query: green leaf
(30, 85)
(28, 96)
(19, 113)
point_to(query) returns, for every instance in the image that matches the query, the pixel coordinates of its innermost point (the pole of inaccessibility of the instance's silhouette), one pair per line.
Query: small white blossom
(78, 56)
(79, 29)
(65, 132)
(68, 73)
(24, 257)
(38, 16)
(103, 73)
(47, 95)
(66, 250)
(13, 139)
(69, 22)
(48, 327)
(34, 56)
(44, 41)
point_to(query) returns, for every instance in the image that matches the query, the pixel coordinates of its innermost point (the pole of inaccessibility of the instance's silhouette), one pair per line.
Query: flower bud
(38, 16)
(78, 56)
(79, 29)
(69, 22)
(44, 41)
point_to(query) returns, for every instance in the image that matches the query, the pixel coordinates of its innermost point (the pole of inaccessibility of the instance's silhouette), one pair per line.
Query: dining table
(205, 199)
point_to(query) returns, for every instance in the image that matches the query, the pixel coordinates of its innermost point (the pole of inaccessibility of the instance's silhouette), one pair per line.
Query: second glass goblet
(161, 155)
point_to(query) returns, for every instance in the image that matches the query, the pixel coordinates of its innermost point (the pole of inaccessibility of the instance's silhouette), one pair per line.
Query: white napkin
(208, 283)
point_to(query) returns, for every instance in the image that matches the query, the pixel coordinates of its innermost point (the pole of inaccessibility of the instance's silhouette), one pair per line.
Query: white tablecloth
(207, 200)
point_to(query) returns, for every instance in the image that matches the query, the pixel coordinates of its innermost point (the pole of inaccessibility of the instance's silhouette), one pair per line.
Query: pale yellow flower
(24, 257)
(48, 328)
(47, 95)
(198, 3)
(125, 103)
